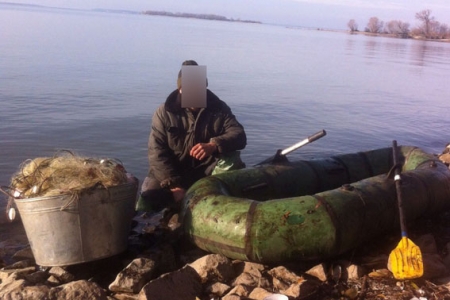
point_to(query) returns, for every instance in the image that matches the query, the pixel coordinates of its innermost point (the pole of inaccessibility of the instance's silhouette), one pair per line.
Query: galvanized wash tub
(63, 230)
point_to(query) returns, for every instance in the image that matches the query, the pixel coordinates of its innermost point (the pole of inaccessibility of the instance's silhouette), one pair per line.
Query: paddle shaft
(398, 187)
(281, 154)
(308, 140)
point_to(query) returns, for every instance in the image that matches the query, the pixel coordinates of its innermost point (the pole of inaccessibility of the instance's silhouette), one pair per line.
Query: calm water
(89, 82)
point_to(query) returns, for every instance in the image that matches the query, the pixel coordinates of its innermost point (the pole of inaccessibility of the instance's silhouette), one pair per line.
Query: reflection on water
(414, 52)
(349, 46)
(396, 49)
(371, 47)
(424, 52)
(418, 52)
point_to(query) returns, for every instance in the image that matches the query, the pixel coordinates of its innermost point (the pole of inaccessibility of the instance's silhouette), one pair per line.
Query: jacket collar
(173, 101)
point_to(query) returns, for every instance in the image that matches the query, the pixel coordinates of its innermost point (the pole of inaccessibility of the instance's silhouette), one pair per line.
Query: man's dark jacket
(175, 130)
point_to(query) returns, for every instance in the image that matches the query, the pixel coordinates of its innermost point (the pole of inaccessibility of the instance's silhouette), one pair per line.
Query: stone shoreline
(160, 264)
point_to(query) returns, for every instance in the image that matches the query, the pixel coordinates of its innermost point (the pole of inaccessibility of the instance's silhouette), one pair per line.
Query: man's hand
(203, 150)
(178, 193)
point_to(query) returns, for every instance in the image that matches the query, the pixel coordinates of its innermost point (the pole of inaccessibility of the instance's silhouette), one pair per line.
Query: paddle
(280, 156)
(405, 260)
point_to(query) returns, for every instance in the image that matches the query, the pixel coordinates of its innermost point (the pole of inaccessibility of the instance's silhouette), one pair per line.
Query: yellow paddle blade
(405, 261)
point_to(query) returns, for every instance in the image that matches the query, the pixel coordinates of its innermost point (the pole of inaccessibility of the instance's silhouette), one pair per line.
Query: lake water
(90, 82)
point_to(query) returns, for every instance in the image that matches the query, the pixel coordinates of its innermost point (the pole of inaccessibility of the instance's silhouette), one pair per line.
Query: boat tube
(311, 210)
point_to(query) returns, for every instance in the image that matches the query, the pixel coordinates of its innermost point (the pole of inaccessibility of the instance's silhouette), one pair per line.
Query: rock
(248, 267)
(302, 290)
(355, 272)
(350, 293)
(381, 273)
(182, 284)
(164, 258)
(445, 158)
(11, 287)
(22, 264)
(174, 223)
(342, 270)
(28, 292)
(231, 297)
(4, 274)
(75, 290)
(134, 276)
(319, 272)
(37, 277)
(284, 275)
(426, 243)
(16, 273)
(259, 293)
(214, 267)
(61, 274)
(239, 290)
(256, 270)
(217, 289)
(25, 253)
(279, 285)
(16, 289)
(433, 266)
(53, 281)
(125, 296)
(443, 281)
(247, 280)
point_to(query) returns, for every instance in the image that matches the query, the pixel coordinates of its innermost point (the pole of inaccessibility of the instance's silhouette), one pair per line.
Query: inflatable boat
(312, 209)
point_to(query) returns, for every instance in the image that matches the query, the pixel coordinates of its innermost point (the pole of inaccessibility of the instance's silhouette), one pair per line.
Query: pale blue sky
(330, 14)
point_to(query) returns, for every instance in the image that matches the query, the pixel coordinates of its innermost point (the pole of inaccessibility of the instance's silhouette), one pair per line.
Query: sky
(325, 14)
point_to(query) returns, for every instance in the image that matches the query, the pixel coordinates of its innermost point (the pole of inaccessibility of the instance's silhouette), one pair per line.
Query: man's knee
(153, 197)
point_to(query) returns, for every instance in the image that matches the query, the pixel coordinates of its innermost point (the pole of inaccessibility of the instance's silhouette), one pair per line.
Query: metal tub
(64, 231)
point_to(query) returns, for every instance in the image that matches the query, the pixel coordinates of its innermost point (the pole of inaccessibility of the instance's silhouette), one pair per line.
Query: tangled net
(65, 173)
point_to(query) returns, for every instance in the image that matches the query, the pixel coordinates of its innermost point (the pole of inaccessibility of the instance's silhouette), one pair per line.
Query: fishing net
(65, 173)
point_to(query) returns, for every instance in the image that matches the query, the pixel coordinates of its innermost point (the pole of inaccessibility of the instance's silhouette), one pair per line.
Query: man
(185, 145)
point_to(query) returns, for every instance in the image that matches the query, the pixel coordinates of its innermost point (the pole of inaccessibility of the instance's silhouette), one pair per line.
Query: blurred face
(194, 109)
(193, 86)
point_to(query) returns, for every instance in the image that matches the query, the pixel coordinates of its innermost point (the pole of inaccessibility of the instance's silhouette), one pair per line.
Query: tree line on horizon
(429, 28)
(195, 16)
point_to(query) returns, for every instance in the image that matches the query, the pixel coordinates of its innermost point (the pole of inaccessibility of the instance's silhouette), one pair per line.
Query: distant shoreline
(148, 12)
(394, 36)
(379, 34)
(197, 16)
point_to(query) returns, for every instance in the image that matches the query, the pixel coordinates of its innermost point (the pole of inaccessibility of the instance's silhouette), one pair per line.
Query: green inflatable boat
(311, 210)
